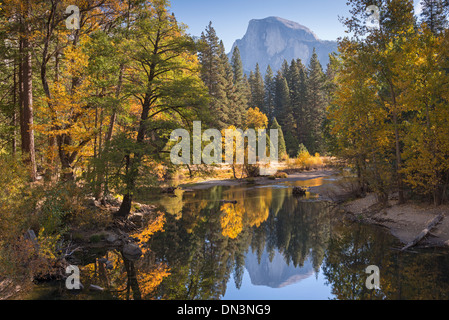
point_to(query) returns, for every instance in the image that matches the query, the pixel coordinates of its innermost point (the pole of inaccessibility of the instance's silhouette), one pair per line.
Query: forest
(86, 112)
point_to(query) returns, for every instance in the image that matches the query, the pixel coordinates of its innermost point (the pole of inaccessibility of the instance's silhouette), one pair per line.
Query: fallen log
(229, 201)
(425, 232)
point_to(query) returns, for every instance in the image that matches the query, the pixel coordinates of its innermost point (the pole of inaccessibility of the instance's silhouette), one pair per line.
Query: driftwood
(229, 201)
(425, 232)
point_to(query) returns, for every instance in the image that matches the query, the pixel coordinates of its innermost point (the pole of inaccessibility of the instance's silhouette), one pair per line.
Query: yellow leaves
(149, 281)
(47, 244)
(256, 119)
(250, 210)
(156, 225)
(231, 220)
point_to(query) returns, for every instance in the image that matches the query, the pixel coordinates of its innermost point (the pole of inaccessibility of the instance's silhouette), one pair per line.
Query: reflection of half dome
(277, 273)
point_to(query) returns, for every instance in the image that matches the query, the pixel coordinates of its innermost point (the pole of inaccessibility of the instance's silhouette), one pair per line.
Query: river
(263, 243)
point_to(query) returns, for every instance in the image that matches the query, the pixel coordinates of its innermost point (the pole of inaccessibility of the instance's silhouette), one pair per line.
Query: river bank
(404, 221)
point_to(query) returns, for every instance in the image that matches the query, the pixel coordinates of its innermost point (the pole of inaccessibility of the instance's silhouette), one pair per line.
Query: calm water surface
(269, 245)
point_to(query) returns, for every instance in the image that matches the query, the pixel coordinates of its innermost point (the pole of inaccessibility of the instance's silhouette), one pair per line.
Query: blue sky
(230, 17)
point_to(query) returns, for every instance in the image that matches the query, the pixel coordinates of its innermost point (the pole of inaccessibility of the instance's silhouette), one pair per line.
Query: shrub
(306, 161)
(281, 175)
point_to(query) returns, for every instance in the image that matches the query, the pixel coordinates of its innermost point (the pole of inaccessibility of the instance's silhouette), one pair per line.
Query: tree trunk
(66, 163)
(398, 160)
(50, 170)
(400, 183)
(133, 163)
(26, 99)
(425, 232)
(125, 207)
(14, 113)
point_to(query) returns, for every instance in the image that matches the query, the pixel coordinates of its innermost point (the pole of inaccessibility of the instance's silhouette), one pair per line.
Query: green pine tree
(434, 15)
(235, 98)
(257, 89)
(270, 89)
(315, 105)
(237, 66)
(282, 151)
(213, 73)
(283, 112)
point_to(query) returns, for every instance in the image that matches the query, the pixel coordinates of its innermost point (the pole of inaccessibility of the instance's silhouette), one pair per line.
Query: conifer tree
(282, 150)
(316, 104)
(303, 103)
(237, 66)
(235, 108)
(270, 89)
(283, 112)
(257, 89)
(213, 73)
(241, 84)
(434, 15)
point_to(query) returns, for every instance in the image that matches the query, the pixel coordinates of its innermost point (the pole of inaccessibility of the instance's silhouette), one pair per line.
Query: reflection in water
(202, 244)
(275, 272)
(404, 276)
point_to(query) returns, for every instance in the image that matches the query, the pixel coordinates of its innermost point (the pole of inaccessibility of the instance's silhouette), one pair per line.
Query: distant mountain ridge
(272, 40)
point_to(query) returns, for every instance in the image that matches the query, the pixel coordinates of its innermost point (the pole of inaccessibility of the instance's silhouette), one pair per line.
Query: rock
(30, 235)
(169, 190)
(272, 40)
(92, 203)
(112, 238)
(299, 191)
(132, 252)
(136, 218)
(103, 260)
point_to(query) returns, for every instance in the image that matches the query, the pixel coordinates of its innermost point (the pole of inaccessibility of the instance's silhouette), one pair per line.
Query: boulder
(132, 252)
(31, 236)
(136, 218)
(112, 238)
(299, 191)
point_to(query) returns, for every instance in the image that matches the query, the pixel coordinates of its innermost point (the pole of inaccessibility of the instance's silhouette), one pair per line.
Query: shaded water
(269, 245)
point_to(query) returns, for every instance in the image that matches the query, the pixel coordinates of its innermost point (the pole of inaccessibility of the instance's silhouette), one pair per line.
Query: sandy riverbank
(404, 221)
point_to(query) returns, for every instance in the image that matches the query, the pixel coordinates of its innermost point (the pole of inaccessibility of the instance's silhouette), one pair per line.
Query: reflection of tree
(408, 276)
(173, 204)
(297, 229)
(210, 242)
(198, 259)
(196, 256)
(231, 220)
(350, 252)
(124, 277)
